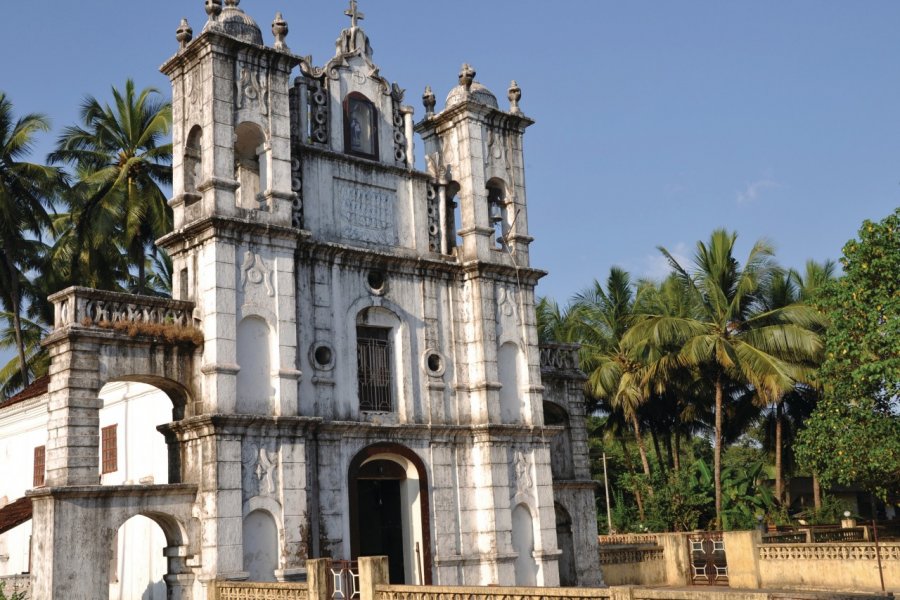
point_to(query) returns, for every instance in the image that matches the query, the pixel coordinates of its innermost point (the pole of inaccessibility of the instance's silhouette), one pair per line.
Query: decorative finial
(232, 3)
(184, 34)
(514, 95)
(354, 14)
(280, 31)
(429, 101)
(213, 8)
(467, 76)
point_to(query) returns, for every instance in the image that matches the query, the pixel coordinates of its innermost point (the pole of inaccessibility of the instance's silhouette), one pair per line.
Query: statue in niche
(360, 125)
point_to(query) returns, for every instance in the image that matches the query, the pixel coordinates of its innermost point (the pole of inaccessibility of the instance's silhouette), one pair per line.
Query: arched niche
(360, 126)
(260, 546)
(371, 473)
(566, 543)
(250, 164)
(193, 160)
(254, 379)
(523, 546)
(508, 372)
(560, 444)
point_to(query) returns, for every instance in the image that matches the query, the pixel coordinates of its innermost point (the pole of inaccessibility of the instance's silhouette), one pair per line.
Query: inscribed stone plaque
(366, 212)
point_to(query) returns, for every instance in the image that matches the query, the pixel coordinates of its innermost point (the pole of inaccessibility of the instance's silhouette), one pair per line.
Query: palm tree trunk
(640, 442)
(640, 503)
(656, 448)
(630, 465)
(717, 467)
(817, 492)
(779, 478)
(17, 318)
(667, 438)
(677, 461)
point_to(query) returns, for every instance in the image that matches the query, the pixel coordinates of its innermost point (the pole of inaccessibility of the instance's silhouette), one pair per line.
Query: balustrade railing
(627, 539)
(832, 551)
(241, 590)
(559, 357)
(628, 555)
(139, 314)
(405, 592)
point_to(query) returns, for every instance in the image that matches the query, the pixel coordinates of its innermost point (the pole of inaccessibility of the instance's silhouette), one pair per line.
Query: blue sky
(656, 121)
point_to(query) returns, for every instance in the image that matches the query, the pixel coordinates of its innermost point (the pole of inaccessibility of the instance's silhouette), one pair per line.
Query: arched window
(561, 444)
(193, 160)
(376, 347)
(453, 217)
(360, 126)
(250, 165)
(497, 213)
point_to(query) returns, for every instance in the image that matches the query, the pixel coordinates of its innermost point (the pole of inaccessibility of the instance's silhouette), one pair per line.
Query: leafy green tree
(122, 161)
(731, 339)
(853, 436)
(25, 188)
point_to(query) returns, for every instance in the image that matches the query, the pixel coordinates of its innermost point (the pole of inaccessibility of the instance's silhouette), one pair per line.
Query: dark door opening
(380, 522)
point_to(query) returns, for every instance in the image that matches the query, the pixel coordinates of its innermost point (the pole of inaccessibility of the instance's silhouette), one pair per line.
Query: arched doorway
(389, 512)
(566, 543)
(138, 567)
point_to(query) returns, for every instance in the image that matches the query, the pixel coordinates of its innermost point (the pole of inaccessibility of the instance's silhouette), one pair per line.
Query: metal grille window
(373, 354)
(40, 463)
(109, 449)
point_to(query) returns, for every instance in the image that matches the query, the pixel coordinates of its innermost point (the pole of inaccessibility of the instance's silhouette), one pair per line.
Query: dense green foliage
(703, 383)
(109, 192)
(854, 433)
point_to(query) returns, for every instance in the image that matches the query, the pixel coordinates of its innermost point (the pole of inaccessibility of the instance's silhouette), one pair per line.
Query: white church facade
(349, 365)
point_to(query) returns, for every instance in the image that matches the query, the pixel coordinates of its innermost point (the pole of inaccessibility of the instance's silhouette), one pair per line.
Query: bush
(15, 595)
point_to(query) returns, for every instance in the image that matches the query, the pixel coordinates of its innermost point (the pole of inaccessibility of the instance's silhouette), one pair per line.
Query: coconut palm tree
(25, 190)
(731, 339)
(122, 160)
(602, 318)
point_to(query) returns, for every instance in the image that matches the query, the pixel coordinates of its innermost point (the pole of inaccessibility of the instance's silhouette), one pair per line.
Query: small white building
(350, 365)
(132, 452)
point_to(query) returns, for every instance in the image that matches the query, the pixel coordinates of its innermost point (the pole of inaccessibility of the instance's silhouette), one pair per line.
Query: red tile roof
(37, 388)
(14, 514)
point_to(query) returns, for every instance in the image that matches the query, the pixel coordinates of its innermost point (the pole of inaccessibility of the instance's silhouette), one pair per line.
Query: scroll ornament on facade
(255, 271)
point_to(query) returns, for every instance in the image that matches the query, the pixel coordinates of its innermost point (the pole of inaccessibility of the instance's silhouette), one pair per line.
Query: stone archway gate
(100, 337)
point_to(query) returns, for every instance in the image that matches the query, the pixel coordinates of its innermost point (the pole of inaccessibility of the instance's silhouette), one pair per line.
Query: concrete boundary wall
(830, 567)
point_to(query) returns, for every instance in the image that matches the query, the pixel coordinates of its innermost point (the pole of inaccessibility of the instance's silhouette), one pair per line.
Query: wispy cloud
(656, 266)
(755, 189)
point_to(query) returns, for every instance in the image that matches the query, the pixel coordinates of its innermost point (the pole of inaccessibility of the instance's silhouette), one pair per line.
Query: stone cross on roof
(354, 14)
